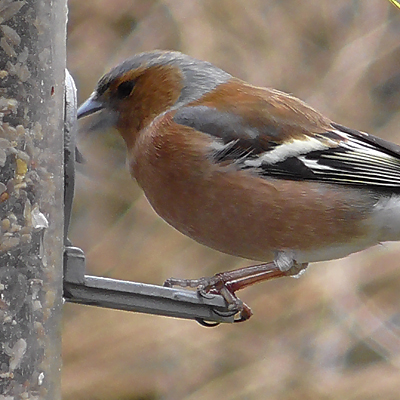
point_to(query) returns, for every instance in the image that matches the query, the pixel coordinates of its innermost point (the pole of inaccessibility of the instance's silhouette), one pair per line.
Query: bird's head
(136, 91)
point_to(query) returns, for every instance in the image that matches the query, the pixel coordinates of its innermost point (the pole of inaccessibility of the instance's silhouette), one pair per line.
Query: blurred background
(332, 334)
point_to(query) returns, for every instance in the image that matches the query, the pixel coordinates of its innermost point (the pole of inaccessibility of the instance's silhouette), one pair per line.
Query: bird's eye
(124, 89)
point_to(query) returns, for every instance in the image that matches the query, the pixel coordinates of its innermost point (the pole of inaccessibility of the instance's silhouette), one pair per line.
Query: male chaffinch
(248, 171)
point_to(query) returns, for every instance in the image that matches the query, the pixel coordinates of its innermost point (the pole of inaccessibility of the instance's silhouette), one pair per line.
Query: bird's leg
(227, 283)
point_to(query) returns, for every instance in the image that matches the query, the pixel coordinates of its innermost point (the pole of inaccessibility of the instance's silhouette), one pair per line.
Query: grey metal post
(32, 64)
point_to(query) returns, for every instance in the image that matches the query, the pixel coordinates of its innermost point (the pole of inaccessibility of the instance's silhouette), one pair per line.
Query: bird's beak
(90, 106)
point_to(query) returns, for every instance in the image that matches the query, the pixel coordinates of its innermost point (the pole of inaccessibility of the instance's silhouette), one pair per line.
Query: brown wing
(277, 135)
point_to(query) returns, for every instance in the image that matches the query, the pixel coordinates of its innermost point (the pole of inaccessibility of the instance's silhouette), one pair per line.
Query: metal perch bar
(139, 297)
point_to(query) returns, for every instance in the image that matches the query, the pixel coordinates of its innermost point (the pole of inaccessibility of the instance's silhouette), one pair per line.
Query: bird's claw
(209, 286)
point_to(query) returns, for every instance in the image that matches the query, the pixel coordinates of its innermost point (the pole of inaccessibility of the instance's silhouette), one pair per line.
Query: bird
(249, 171)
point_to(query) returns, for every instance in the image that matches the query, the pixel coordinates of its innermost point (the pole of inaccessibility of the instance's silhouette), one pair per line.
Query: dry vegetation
(334, 333)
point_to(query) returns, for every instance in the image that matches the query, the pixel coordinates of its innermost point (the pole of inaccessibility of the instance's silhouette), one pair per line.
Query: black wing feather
(355, 158)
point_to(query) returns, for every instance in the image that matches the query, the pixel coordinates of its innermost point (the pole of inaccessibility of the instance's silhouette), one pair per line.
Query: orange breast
(237, 212)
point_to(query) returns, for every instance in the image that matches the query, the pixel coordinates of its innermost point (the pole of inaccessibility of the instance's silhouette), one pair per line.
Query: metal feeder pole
(32, 73)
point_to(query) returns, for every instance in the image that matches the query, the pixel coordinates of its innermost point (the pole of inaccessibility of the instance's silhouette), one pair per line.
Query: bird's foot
(227, 283)
(217, 284)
